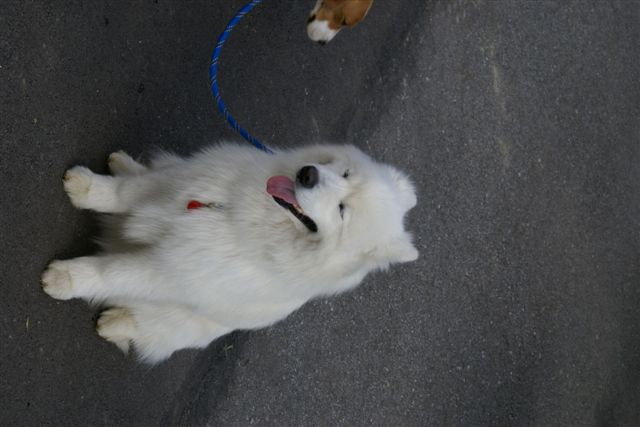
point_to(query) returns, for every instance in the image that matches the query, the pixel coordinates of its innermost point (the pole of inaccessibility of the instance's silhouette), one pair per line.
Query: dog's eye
(346, 174)
(341, 208)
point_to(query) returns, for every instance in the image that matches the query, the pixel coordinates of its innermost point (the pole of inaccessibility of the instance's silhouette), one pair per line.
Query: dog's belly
(238, 296)
(244, 306)
(250, 315)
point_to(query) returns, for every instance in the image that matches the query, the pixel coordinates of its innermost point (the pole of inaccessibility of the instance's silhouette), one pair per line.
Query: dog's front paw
(120, 163)
(56, 281)
(116, 325)
(77, 184)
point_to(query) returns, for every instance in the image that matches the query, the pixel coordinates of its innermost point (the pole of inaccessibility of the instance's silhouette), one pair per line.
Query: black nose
(307, 176)
(311, 19)
(322, 42)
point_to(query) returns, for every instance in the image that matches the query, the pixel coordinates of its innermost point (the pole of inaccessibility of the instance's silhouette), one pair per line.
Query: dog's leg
(120, 163)
(102, 193)
(117, 325)
(156, 331)
(70, 279)
(103, 277)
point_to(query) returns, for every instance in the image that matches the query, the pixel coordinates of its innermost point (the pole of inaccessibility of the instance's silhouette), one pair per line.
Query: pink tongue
(282, 188)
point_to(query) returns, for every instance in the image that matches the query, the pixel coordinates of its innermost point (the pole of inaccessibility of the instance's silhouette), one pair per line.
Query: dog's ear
(405, 188)
(397, 250)
(402, 250)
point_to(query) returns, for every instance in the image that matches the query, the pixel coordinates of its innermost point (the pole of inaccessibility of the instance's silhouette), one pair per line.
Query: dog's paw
(116, 325)
(120, 163)
(56, 281)
(77, 184)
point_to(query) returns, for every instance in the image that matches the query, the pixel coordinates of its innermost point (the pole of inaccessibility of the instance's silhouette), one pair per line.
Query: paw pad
(56, 281)
(77, 184)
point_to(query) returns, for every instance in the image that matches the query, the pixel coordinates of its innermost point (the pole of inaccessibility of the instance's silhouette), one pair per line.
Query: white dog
(199, 248)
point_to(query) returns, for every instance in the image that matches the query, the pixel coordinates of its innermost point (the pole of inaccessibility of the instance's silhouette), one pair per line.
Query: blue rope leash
(213, 74)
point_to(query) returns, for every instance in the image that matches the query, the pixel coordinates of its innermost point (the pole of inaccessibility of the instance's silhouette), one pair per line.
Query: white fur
(178, 278)
(319, 31)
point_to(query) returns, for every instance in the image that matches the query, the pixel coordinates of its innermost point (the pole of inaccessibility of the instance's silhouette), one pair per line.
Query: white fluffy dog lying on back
(199, 248)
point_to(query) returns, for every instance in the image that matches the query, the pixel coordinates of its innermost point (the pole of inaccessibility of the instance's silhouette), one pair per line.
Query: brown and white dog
(330, 16)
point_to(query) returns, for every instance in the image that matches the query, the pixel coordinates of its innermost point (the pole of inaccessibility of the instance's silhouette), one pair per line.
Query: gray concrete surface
(520, 123)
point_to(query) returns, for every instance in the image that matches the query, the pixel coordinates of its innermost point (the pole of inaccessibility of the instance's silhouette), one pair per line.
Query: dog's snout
(307, 176)
(311, 19)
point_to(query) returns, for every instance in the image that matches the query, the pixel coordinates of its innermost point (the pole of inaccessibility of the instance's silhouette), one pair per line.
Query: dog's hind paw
(56, 281)
(117, 325)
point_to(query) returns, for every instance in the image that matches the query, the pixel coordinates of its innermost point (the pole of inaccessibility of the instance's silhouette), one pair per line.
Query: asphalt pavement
(519, 121)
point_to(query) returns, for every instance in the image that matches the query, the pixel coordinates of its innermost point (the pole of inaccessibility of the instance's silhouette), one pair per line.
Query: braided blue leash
(213, 74)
